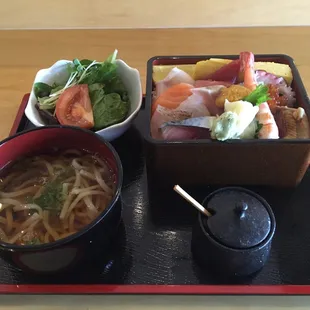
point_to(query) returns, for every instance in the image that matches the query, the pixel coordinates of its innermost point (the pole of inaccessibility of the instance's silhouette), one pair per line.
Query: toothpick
(191, 200)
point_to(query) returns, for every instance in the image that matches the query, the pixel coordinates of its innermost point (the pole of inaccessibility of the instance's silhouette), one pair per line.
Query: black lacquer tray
(152, 252)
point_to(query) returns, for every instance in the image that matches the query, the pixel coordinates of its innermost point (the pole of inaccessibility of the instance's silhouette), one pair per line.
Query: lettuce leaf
(42, 90)
(108, 109)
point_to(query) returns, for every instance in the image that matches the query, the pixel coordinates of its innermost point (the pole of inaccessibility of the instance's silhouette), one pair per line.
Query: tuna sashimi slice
(185, 133)
(227, 73)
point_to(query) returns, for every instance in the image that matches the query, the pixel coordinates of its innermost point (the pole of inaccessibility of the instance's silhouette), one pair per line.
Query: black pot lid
(240, 219)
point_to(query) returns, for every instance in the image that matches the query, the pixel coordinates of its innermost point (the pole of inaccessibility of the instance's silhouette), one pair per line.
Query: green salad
(93, 97)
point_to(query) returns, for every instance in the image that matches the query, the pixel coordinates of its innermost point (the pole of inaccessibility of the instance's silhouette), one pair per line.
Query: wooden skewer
(191, 200)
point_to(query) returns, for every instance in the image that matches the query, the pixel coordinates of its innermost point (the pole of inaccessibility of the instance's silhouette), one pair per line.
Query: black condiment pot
(236, 239)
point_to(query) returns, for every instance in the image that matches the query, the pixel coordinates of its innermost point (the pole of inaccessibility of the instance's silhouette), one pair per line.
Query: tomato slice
(74, 107)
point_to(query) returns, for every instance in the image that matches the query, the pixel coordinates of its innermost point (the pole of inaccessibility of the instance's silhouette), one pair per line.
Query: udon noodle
(49, 197)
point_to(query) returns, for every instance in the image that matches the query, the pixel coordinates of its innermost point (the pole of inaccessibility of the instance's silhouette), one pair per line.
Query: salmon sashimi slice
(175, 76)
(173, 96)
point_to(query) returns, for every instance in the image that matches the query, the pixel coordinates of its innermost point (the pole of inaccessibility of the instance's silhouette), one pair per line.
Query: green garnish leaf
(47, 103)
(259, 95)
(34, 241)
(70, 68)
(52, 196)
(86, 62)
(78, 66)
(42, 89)
(99, 73)
(258, 128)
(112, 57)
(108, 109)
(56, 88)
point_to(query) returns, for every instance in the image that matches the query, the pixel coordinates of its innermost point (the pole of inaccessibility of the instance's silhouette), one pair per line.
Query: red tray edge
(145, 289)
(156, 289)
(19, 114)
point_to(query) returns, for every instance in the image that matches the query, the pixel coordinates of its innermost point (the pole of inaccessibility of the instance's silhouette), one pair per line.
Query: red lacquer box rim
(142, 289)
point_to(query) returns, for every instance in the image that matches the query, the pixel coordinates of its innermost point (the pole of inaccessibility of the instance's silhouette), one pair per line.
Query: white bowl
(58, 73)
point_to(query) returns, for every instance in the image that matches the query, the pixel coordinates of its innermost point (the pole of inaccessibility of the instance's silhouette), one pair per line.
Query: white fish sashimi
(203, 122)
(209, 95)
(191, 128)
(194, 105)
(175, 76)
(163, 115)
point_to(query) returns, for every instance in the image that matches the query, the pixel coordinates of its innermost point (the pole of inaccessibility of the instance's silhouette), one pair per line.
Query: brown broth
(48, 197)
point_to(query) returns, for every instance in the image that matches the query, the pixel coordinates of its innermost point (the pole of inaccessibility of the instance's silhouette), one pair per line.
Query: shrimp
(247, 68)
(265, 118)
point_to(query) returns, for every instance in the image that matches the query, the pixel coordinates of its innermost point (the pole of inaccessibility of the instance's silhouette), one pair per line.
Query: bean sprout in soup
(49, 197)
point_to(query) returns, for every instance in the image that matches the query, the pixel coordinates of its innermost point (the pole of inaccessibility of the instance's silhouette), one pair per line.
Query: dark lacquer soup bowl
(92, 239)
